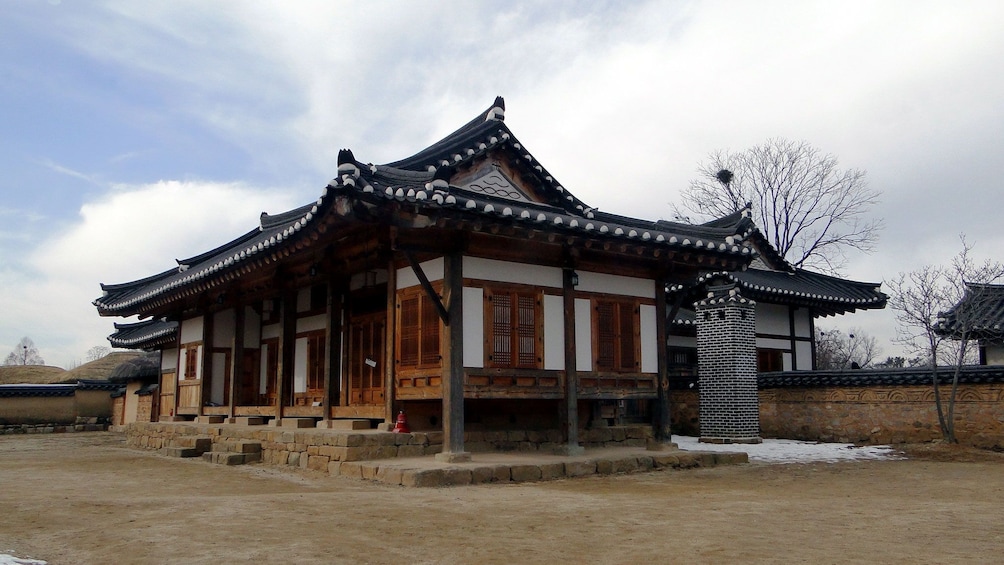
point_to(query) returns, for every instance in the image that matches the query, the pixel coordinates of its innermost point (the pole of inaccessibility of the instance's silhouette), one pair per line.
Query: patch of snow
(792, 451)
(11, 560)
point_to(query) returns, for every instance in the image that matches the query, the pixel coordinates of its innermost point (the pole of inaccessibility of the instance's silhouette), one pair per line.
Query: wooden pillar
(332, 345)
(287, 350)
(178, 371)
(389, 342)
(662, 419)
(236, 358)
(206, 378)
(570, 414)
(453, 362)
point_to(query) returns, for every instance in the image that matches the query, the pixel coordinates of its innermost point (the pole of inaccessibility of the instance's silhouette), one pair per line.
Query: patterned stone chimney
(726, 359)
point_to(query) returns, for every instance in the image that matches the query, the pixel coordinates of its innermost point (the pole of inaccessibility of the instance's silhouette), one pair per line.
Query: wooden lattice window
(513, 328)
(419, 329)
(191, 362)
(616, 335)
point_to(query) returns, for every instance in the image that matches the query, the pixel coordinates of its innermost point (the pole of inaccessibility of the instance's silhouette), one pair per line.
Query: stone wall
(323, 449)
(81, 425)
(875, 407)
(892, 414)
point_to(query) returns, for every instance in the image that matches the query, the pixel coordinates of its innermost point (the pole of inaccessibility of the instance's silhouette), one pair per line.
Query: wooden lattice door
(366, 359)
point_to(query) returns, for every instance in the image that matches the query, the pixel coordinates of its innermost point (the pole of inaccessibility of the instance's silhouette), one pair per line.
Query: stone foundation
(317, 448)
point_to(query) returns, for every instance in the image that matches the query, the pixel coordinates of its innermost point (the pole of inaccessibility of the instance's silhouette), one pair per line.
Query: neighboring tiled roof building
(978, 316)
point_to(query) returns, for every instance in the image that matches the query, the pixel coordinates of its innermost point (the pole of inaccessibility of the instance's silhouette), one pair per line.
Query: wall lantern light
(575, 279)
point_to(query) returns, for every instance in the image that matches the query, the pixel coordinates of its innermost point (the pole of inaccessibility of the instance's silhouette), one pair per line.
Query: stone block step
(199, 443)
(249, 421)
(239, 446)
(346, 424)
(231, 458)
(295, 422)
(210, 419)
(171, 451)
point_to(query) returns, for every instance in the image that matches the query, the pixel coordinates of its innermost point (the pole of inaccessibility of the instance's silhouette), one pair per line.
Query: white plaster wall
(270, 332)
(474, 327)
(131, 409)
(649, 339)
(263, 370)
(359, 280)
(313, 323)
(772, 319)
(219, 371)
(433, 269)
(769, 343)
(303, 300)
(554, 332)
(682, 341)
(169, 359)
(191, 330)
(505, 271)
(615, 284)
(995, 355)
(803, 323)
(300, 366)
(252, 328)
(803, 351)
(223, 328)
(583, 335)
(786, 361)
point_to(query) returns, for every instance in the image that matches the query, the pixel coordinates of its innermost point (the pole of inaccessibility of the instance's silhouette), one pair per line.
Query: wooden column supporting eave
(236, 358)
(287, 350)
(453, 363)
(570, 414)
(389, 341)
(662, 421)
(206, 378)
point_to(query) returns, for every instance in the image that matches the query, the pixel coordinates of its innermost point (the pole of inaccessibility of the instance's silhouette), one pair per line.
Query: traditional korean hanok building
(978, 316)
(788, 301)
(463, 285)
(139, 399)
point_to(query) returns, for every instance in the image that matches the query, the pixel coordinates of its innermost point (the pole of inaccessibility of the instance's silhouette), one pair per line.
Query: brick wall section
(726, 353)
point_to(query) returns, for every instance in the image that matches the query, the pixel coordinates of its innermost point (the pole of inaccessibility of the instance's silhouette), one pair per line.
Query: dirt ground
(86, 499)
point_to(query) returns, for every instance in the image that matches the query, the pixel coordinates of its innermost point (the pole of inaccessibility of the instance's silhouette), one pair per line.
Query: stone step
(345, 424)
(210, 419)
(171, 451)
(239, 446)
(295, 422)
(199, 443)
(249, 420)
(231, 458)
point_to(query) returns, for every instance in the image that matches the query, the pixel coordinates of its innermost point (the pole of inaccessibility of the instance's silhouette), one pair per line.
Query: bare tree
(809, 208)
(97, 352)
(25, 353)
(836, 350)
(922, 298)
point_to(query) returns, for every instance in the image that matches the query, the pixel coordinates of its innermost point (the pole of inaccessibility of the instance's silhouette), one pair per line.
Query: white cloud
(130, 233)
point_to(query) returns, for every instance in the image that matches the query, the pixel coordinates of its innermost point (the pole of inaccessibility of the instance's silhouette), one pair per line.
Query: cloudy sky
(133, 133)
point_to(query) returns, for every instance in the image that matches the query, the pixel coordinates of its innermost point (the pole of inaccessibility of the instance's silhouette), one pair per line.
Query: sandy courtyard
(86, 499)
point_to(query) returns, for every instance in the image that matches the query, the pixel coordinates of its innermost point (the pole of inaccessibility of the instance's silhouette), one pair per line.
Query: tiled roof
(912, 376)
(423, 182)
(980, 314)
(144, 335)
(971, 374)
(9, 391)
